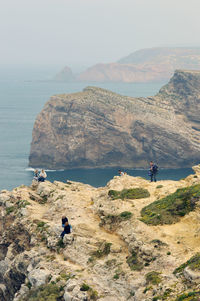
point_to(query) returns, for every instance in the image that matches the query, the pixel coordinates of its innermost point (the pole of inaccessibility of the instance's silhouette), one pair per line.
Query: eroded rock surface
(97, 261)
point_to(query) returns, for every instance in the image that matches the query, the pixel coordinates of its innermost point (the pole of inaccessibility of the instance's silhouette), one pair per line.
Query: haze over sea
(23, 93)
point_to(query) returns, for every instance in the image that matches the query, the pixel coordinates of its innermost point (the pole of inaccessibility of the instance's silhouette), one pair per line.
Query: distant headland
(145, 65)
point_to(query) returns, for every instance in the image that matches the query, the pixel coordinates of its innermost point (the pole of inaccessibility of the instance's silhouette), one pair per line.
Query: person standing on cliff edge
(153, 171)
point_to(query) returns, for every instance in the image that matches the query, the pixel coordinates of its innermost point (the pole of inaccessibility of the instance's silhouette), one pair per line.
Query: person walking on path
(153, 171)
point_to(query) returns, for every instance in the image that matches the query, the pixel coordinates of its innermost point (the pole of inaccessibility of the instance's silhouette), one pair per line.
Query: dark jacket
(67, 229)
(64, 220)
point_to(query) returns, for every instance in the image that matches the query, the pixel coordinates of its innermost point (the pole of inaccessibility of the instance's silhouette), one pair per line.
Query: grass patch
(50, 292)
(43, 199)
(191, 296)
(9, 210)
(102, 251)
(84, 287)
(159, 186)
(153, 278)
(132, 193)
(158, 242)
(193, 263)
(113, 220)
(134, 263)
(168, 210)
(111, 262)
(22, 203)
(125, 215)
(60, 243)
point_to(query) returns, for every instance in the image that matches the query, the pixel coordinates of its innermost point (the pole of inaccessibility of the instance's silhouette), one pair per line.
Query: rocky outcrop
(146, 65)
(98, 128)
(133, 261)
(65, 75)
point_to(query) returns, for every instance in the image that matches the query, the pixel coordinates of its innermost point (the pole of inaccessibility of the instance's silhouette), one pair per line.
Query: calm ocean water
(23, 93)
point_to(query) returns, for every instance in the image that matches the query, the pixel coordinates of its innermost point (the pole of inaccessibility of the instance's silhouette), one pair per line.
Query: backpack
(155, 168)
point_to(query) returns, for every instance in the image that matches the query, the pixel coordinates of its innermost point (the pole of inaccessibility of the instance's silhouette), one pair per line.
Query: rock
(65, 75)
(119, 126)
(71, 285)
(193, 276)
(67, 296)
(38, 277)
(4, 197)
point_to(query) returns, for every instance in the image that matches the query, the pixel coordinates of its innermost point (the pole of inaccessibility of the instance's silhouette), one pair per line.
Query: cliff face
(111, 255)
(98, 128)
(146, 65)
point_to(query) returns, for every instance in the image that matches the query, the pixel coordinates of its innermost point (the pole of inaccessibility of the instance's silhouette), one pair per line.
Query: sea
(23, 93)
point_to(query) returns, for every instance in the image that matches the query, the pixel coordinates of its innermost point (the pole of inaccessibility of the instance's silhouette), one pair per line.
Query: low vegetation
(153, 278)
(103, 250)
(191, 296)
(93, 295)
(50, 292)
(113, 220)
(134, 263)
(193, 263)
(133, 193)
(169, 209)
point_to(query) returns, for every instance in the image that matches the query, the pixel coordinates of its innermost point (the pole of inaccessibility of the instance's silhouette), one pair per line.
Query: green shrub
(168, 210)
(116, 276)
(84, 287)
(193, 263)
(93, 295)
(132, 193)
(10, 210)
(60, 243)
(103, 250)
(134, 263)
(159, 186)
(191, 296)
(125, 215)
(22, 203)
(48, 292)
(153, 278)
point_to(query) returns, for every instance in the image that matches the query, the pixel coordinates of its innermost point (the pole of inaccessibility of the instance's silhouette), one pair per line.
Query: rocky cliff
(120, 249)
(146, 65)
(98, 128)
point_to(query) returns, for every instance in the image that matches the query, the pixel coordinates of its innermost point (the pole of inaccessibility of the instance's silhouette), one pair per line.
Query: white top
(43, 174)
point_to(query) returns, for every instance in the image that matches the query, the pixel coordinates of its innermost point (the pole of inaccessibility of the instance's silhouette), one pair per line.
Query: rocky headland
(145, 65)
(98, 128)
(131, 240)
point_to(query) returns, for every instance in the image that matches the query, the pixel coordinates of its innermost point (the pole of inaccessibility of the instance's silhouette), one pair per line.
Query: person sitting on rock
(121, 173)
(67, 230)
(36, 175)
(42, 176)
(64, 220)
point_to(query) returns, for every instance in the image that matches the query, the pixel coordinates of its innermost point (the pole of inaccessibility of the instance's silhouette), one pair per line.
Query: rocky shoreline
(111, 255)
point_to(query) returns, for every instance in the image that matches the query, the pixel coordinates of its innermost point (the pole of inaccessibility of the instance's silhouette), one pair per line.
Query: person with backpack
(67, 230)
(64, 220)
(153, 171)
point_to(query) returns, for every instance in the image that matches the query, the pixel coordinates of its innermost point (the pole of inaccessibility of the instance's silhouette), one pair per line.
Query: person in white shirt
(42, 176)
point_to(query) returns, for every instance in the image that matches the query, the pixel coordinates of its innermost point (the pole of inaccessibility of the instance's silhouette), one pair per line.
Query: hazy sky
(73, 32)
